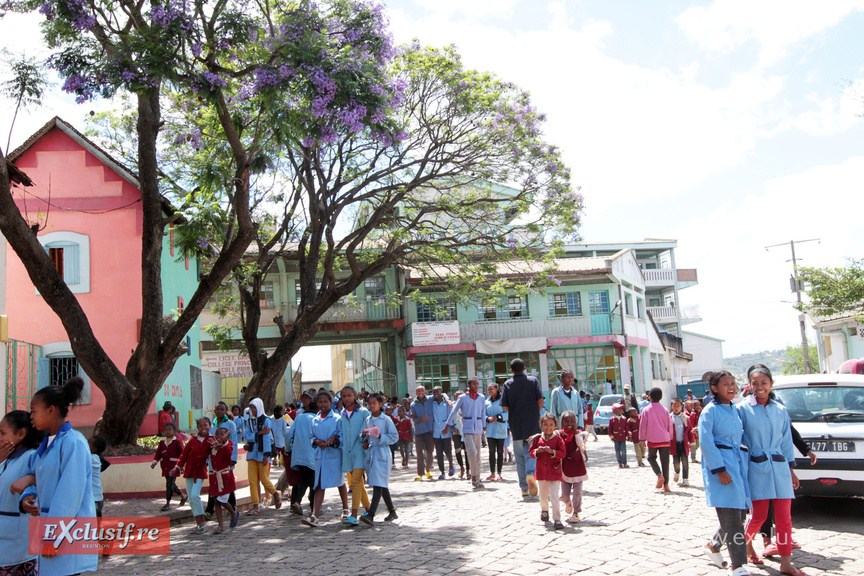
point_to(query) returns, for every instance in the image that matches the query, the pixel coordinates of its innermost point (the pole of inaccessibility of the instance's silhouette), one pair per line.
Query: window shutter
(71, 264)
(44, 373)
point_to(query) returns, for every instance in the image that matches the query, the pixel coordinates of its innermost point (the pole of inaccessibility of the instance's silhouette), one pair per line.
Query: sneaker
(391, 516)
(740, 571)
(660, 482)
(428, 475)
(296, 509)
(418, 478)
(532, 484)
(165, 508)
(558, 525)
(452, 471)
(568, 508)
(367, 519)
(573, 519)
(677, 476)
(351, 520)
(442, 477)
(345, 514)
(310, 521)
(525, 493)
(277, 500)
(685, 483)
(183, 500)
(544, 516)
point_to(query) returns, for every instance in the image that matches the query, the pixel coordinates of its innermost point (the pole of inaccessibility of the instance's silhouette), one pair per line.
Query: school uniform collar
(755, 402)
(170, 440)
(44, 447)
(473, 395)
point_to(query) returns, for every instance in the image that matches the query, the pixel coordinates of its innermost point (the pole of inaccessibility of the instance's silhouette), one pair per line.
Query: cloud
(449, 9)
(743, 290)
(726, 26)
(833, 115)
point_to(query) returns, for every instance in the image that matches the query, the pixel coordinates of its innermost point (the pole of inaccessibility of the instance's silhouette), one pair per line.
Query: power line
(94, 212)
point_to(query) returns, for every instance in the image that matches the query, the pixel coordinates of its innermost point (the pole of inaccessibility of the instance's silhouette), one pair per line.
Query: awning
(511, 345)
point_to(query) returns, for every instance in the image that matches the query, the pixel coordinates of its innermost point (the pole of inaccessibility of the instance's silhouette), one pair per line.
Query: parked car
(828, 412)
(603, 411)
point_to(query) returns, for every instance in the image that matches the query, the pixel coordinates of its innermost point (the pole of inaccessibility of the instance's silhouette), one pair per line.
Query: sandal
(235, 519)
(218, 531)
(198, 530)
(715, 557)
(740, 571)
(754, 559)
(795, 572)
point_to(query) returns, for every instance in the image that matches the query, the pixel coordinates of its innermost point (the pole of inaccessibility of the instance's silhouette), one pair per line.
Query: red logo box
(135, 535)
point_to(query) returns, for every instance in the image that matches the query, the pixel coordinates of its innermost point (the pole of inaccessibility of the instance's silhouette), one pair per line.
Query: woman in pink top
(655, 428)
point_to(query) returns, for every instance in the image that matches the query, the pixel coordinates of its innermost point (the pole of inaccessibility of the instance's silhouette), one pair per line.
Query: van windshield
(609, 400)
(817, 403)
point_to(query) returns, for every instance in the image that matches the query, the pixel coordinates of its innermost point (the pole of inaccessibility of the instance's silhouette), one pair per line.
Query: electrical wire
(94, 212)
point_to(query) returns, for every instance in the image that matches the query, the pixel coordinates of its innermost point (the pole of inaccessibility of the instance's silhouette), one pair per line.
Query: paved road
(628, 528)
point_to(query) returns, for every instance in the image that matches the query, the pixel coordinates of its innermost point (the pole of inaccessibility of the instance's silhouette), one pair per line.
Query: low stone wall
(131, 477)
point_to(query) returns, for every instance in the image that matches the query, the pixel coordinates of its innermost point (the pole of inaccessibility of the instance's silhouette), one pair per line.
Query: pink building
(88, 207)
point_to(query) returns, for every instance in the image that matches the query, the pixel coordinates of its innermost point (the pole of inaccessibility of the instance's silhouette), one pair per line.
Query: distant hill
(738, 365)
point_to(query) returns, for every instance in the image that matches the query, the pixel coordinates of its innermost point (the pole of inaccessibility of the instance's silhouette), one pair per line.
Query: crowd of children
(348, 440)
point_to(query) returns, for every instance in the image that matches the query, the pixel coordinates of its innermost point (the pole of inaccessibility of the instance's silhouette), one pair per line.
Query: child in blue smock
(724, 472)
(256, 433)
(18, 440)
(327, 439)
(97, 444)
(768, 435)
(299, 443)
(378, 433)
(496, 431)
(279, 429)
(353, 457)
(62, 469)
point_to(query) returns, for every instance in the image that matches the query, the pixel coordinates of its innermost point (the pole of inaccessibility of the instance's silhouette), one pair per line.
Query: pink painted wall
(78, 180)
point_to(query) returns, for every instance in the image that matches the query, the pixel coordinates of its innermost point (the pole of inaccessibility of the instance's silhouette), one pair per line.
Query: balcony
(665, 277)
(554, 327)
(673, 314)
(362, 311)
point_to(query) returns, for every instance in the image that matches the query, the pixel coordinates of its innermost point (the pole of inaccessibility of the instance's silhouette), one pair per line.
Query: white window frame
(83, 242)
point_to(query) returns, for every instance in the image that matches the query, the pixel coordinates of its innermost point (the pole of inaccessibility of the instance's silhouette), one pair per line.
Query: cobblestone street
(444, 528)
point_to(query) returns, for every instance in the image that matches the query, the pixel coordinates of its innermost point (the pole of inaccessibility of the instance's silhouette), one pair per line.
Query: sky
(728, 125)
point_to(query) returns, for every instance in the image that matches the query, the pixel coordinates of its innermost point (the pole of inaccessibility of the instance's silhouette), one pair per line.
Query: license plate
(832, 445)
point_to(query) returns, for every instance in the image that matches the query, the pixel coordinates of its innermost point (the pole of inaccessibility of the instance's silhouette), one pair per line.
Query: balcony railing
(660, 277)
(363, 310)
(553, 327)
(668, 314)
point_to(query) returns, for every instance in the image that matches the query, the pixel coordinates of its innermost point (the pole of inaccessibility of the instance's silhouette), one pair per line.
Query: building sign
(228, 365)
(435, 333)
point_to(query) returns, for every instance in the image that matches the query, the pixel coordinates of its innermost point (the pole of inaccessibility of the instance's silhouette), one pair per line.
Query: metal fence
(22, 359)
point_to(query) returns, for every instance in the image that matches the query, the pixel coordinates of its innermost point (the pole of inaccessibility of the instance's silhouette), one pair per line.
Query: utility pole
(797, 283)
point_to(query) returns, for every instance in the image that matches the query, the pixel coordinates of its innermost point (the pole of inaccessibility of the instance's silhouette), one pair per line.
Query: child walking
(378, 433)
(327, 439)
(299, 443)
(97, 444)
(633, 428)
(472, 407)
(573, 471)
(549, 450)
(256, 433)
(167, 455)
(655, 428)
(19, 439)
(679, 448)
(222, 483)
(724, 473)
(404, 429)
(193, 464)
(62, 469)
(619, 431)
(352, 419)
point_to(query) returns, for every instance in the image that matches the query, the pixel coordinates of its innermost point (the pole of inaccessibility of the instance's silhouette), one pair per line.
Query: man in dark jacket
(522, 398)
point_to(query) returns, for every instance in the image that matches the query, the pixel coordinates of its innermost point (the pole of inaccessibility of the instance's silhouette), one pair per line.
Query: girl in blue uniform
(353, 458)
(378, 433)
(256, 433)
(496, 431)
(62, 469)
(20, 439)
(768, 435)
(327, 439)
(724, 472)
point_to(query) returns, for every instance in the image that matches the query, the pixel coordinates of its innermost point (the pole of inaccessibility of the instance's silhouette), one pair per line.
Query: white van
(828, 411)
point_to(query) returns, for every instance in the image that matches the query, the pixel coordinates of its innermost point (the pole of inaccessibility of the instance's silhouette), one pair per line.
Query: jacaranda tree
(321, 62)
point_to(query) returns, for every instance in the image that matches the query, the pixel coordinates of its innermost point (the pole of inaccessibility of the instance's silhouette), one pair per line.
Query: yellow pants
(259, 472)
(359, 497)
